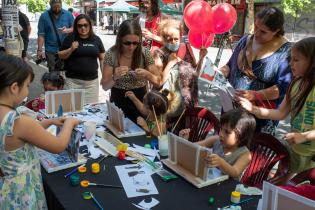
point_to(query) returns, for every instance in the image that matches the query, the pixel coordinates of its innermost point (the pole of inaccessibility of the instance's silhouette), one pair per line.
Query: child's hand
(73, 121)
(130, 95)
(214, 160)
(59, 121)
(294, 138)
(141, 122)
(184, 133)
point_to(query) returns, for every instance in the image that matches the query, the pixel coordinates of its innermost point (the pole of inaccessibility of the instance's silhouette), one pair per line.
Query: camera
(40, 60)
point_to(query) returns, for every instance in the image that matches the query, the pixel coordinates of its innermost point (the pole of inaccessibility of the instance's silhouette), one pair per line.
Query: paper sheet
(134, 180)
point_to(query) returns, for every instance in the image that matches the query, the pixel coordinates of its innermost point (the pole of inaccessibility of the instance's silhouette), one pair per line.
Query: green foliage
(35, 5)
(296, 7)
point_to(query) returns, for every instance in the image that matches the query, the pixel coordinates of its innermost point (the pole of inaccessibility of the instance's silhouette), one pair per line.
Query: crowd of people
(153, 84)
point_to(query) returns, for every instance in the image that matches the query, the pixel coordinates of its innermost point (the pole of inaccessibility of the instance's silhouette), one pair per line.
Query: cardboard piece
(70, 100)
(188, 160)
(119, 125)
(276, 198)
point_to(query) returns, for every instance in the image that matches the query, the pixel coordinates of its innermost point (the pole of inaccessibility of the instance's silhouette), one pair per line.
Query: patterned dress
(272, 70)
(21, 186)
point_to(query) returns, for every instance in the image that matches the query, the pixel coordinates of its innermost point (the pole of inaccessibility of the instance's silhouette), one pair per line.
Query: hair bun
(165, 92)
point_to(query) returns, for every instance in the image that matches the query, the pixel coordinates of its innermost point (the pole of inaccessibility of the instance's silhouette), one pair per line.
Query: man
(46, 34)
(25, 33)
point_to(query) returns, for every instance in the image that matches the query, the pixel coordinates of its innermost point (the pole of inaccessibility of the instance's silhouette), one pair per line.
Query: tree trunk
(12, 40)
(250, 17)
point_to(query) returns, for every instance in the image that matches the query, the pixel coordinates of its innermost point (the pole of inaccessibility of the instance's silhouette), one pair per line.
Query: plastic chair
(308, 175)
(266, 151)
(200, 121)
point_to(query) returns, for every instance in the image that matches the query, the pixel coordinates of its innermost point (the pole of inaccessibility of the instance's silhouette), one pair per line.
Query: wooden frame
(188, 160)
(119, 125)
(71, 101)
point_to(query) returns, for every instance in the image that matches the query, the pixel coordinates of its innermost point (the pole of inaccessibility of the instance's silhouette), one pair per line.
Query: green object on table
(74, 180)
(86, 195)
(147, 146)
(211, 200)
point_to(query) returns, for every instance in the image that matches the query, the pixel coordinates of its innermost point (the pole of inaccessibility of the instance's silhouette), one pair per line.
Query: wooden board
(188, 160)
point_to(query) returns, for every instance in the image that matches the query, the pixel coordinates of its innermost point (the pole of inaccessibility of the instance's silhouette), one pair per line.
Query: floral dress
(21, 184)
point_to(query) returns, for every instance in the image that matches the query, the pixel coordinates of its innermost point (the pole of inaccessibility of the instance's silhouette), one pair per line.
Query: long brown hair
(306, 83)
(130, 27)
(271, 17)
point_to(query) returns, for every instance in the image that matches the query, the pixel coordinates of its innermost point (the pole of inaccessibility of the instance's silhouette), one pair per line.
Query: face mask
(172, 47)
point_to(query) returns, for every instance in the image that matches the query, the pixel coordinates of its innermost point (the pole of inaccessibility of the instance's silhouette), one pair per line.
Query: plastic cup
(89, 130)
(163, 145)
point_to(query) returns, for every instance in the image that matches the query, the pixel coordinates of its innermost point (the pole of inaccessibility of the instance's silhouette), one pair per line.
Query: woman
(128, 68)
(177, 75)
(259, 66)
(153, 17)
(81, 50)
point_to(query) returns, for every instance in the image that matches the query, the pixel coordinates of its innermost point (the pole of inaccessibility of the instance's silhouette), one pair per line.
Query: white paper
(150, 205)
(142, 150)
(131, 184)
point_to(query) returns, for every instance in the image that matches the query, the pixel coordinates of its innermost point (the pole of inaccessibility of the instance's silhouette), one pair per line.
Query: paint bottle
(235, 197)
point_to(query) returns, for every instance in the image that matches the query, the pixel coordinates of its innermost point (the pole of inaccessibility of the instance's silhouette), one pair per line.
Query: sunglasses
(83, 25)
(128, 43)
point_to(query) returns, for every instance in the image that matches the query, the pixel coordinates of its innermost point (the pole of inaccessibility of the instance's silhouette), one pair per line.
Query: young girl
(20, 176)
(230, 147)
(300, 102)
(51, 81)
(155, 103)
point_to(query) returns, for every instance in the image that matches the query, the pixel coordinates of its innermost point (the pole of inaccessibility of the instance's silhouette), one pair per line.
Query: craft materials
(146, 204)
(157, 122)
(86, 195)
(121, 155)
(84, 183)
(211, 200)
(147, 146)
(95, 168)
(82, 169)
(134, 167)
(166, 175)
(73, 171)
(96, 201)
(142, 190)
(163, 145)
(180, 117)
(235, 197)
(237, 204)
(74, 180)
(134, 173)
(154, 144)
(89, 128)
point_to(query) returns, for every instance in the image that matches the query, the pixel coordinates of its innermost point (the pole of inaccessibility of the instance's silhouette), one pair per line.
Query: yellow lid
(236, 194)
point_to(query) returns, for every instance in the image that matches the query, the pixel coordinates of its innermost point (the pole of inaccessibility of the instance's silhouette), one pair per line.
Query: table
(177, 194)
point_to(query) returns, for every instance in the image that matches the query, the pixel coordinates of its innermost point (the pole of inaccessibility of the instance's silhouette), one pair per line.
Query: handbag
(59, 63)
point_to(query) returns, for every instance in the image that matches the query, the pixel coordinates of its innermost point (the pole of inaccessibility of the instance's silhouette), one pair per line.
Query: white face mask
(173, 47)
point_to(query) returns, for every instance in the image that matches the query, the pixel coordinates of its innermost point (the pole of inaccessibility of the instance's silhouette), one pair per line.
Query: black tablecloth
(177, 194)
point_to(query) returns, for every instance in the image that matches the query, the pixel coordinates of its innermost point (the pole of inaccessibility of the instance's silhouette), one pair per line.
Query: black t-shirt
(24, 22)
(82, 63)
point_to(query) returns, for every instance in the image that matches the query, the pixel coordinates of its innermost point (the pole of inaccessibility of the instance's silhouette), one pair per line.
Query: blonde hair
(170, 23)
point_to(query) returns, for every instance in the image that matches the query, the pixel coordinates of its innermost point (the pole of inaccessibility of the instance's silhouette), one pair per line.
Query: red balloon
(224, 17)
(198, 40)
(197, 16)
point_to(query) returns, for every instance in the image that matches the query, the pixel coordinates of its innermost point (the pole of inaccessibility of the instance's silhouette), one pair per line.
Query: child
(154, 104)
(20, 174)
(51, 81)
(230, 148)
(300, 102)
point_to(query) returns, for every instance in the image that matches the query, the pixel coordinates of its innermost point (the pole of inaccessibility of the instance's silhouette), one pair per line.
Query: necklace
(6, 105)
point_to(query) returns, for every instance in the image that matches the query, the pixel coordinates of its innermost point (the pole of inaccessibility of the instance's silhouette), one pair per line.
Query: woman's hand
(120, 72)
(130, 95)
(59, 121)
(248, 94)
(214, 160)
(184, 133)
(141, 73)
(73, 121)
(147, 34)
(202, 53)
(294, 138)
(74, 45)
